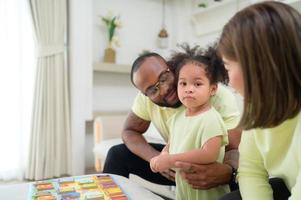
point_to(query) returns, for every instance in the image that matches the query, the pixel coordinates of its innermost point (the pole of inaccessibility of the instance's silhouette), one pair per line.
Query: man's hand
(170, 174)
(205, 176)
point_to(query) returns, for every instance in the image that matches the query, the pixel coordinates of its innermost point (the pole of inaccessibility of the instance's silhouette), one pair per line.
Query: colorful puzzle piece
(66, 180)
(49, 197)
(89, 186)
(44, 186)
(71, 195)
(66, 189)
(95, 196)
(85, 181)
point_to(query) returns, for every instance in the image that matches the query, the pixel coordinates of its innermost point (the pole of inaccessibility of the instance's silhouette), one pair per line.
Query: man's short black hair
(137, 63)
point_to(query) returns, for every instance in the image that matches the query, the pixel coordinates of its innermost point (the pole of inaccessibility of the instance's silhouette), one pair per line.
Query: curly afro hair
(207, 58)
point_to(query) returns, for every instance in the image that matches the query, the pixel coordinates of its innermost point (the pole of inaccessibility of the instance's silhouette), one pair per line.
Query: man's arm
(234, 136)
(132, 136)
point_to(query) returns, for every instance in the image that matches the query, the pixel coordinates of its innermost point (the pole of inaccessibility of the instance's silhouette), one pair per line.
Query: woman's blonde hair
(265, 39)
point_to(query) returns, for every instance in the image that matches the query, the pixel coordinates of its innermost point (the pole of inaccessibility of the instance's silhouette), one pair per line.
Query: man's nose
(164, 89)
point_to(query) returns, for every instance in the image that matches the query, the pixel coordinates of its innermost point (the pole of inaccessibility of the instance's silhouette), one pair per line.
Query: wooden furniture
(110, 67)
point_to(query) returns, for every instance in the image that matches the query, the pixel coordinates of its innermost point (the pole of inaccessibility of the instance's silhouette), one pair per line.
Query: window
(17, 73)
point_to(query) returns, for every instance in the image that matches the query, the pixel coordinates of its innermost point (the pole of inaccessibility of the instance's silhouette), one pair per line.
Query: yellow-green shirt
(274, 152)
(223, 101)
(188, 133)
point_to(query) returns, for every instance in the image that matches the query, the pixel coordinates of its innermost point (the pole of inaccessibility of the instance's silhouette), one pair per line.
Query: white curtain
(50, 142)
(17, 63)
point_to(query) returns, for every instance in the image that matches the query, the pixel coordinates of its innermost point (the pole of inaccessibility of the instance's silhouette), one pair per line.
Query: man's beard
(166, 104)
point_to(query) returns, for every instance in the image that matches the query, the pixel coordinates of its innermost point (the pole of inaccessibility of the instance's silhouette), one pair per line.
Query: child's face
(235, 75)
(194, 89)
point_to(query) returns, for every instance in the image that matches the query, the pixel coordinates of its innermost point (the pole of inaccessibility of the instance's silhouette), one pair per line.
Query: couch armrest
(107, 132)
(107, 126)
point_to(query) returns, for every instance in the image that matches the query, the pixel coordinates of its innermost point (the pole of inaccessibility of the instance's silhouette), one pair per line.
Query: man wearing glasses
(155, 103)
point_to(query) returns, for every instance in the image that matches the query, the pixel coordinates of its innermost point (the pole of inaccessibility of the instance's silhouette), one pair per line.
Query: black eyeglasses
(164, 78)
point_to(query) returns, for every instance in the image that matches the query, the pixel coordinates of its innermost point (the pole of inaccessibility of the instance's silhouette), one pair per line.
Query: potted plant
(112, 23)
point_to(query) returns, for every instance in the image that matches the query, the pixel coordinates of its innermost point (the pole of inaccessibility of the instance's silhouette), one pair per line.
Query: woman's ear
(213, 89)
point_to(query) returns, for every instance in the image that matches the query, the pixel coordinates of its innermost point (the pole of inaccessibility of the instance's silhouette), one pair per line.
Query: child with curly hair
(198, 133)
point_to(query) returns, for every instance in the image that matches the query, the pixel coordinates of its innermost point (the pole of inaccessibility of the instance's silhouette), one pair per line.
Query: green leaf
(112, 27)
(105, 20)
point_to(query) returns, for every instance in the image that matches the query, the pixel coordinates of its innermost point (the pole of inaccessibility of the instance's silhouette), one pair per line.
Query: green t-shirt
(188, 133)
(271, 152)
(223, 101)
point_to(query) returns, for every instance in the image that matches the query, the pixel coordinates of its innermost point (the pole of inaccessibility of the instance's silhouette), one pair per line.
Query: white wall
(141, 20)
(112, 92)
(80, 77)
(141, 23)
(182, 22)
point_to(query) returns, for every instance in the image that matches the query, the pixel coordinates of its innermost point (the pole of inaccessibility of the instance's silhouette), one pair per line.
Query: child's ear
(213, 89)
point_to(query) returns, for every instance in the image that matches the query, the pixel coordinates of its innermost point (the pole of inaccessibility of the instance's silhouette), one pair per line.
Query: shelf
(111, 68)
(213, 6)
(210, 20)
(109, 113)
(294, 3)
(221, 5)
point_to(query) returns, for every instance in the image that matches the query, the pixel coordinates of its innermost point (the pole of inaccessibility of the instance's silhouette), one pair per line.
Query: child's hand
(161, 162)
(152, 164)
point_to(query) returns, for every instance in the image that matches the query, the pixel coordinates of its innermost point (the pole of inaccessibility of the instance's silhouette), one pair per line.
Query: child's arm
(205, 155)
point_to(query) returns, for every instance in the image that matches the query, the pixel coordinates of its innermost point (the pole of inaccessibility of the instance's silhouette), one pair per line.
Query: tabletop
(135, 191)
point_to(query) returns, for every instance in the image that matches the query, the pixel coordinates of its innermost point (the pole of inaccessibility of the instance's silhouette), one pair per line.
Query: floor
(88, 171)
(11, 182)
(91, 171)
